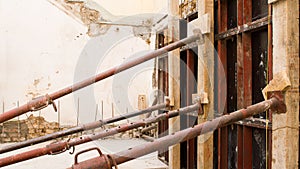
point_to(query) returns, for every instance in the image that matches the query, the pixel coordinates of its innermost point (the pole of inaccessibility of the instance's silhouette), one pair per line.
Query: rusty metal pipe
(79, 128)
(44, 101)
(164, 142)
(148, 129)
(61, 146)
(147, 138)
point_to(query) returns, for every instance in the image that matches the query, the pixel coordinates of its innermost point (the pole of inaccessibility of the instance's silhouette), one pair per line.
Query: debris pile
(21, 130)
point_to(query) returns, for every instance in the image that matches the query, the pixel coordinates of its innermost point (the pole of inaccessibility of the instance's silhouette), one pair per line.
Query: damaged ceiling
(98, 20)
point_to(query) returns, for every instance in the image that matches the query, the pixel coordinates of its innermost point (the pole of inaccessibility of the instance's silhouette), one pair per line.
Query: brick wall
(15, 131)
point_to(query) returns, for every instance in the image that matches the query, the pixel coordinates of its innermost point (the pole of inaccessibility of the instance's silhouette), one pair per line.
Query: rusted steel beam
(270, 49)
(223, 148)
(247, 75)
(62, 146)
(247, 147)
(105, 161)
(191, 156)
(240, 143)
(240, 85)
(247, 71)
(79, 128)
(244, 28)
(44, 101)
(222, 90)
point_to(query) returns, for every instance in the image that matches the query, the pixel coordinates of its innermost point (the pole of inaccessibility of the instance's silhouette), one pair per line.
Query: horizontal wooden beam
(244, 28)
(256, 123)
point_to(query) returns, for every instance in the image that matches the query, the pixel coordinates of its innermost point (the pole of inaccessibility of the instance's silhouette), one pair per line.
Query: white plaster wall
(39, 50)
(38, 53)
(126, 86)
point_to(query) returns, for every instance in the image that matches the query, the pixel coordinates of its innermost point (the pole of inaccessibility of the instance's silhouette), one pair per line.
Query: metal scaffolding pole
(62, 146)
(107, 161)
(44, 101)
(79, 128)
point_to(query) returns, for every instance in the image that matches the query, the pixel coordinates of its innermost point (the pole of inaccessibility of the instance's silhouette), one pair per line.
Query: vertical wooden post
(206, 80)
(173, 80)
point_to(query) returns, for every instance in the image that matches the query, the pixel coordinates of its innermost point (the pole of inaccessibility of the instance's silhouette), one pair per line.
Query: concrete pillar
(174, 80)
(285, 128)
(206, 81)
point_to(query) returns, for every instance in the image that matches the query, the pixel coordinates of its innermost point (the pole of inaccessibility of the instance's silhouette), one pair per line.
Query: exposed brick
(15, 131)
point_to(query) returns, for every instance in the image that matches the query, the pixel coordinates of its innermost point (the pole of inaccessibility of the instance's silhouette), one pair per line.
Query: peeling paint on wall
(77, 9)
(39, 87)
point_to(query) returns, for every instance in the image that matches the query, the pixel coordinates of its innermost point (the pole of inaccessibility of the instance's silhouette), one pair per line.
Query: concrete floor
(65, 160)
